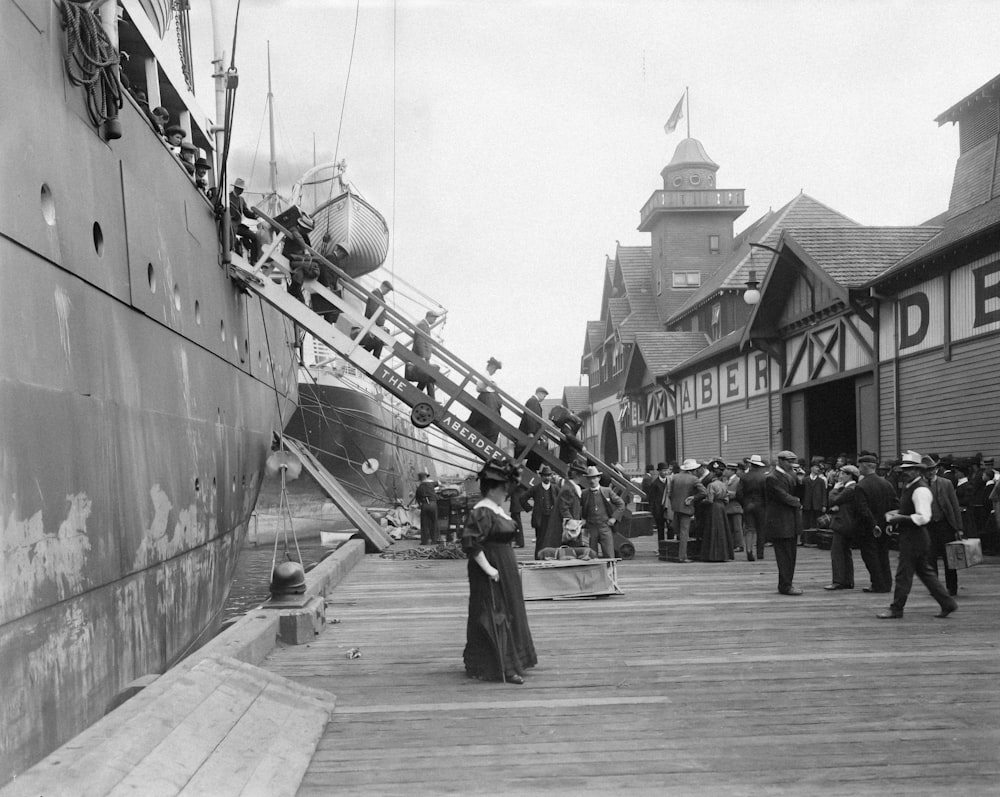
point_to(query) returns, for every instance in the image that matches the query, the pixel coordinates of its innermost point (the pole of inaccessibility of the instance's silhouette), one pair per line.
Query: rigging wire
(347, 83)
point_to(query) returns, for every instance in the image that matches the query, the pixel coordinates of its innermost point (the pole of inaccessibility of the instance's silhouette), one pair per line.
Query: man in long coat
(655, 491)
(875, 496)
(529, 426)
(751, 495)
(542, 498)
(783, 518)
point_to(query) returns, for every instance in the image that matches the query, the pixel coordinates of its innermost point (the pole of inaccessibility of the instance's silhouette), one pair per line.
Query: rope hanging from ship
(92, 62)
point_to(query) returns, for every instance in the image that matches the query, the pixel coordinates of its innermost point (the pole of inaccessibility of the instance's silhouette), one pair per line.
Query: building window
(686, 279)
(716, 328)
(713, 244)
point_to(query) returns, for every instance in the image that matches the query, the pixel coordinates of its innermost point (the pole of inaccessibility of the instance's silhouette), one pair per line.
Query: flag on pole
(675, 117)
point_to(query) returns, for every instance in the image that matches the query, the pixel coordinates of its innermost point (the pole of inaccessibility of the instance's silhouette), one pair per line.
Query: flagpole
(688, 100)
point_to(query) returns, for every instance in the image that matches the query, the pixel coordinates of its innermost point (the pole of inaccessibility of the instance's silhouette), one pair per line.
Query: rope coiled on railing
(91, 60)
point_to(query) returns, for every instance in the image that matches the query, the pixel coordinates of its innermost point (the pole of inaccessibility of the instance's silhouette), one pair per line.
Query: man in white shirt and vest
(911, 519)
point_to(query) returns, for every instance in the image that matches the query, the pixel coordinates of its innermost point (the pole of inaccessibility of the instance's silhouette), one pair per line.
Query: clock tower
(690, 222)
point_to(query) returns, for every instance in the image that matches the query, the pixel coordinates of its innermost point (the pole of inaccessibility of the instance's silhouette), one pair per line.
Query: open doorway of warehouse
(661, 442)
(832, 418)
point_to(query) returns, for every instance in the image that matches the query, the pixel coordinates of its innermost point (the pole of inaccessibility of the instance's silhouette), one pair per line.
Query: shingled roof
(724, 344)
(955, 230)
(663, 351)
(577, 398)
(802, 212)
(854, 256)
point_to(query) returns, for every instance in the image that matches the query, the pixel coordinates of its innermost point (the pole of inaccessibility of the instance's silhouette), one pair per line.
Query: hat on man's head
(592, 471)
(911, 459)
(690, 464)
(817, 461)
(386, 286)
(160, 112)
(786, 454)
(542, 390)
(545, 470)
(869, 459)
(755, 461)
(239, 183)
(850, 469)
(421, 475)
(578, 465)
(661, 466)
(494, 362)
(201, 163)
(174, 129)
(930, 461)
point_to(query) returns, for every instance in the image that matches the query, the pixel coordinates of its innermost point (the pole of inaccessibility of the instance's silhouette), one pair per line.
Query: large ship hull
(139, 396)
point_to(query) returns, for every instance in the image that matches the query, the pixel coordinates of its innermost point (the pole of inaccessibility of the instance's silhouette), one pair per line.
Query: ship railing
(389, 369)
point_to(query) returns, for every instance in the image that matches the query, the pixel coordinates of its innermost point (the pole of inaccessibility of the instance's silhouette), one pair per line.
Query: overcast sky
(510, 144)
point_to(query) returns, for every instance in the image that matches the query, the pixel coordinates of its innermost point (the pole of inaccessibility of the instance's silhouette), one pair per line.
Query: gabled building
(859, 335)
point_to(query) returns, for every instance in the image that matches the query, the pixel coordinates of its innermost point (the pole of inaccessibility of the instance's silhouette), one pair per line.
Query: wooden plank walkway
(700, 680)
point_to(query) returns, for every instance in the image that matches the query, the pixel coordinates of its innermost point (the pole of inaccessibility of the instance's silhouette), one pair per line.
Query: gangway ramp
(376, 540)
(451, 376)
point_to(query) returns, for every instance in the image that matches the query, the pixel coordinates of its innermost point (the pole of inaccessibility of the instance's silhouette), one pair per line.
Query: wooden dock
(700, 680)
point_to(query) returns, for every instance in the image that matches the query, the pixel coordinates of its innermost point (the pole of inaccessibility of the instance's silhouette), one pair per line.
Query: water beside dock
(699, 680)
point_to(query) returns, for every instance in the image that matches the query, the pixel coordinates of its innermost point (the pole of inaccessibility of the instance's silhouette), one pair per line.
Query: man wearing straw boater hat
(685, 488)
(910, 520)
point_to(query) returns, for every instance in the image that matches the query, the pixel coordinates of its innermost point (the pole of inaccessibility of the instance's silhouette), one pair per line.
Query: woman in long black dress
(498, 641)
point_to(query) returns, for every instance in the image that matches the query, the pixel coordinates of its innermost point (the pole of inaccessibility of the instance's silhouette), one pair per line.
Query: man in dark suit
(814, 494)
(654, 496)
(750, 493)
(375, 308)
(874, 497)
(601, 509)
(783, 518)
(542, 500)
(946, 520)
(423, 348)
(529, 426)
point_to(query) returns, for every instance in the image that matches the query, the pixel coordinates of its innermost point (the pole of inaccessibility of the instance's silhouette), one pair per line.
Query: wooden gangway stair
(451, 375)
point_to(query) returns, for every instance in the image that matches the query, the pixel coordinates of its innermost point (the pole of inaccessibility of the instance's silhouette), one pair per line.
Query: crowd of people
(920, 503)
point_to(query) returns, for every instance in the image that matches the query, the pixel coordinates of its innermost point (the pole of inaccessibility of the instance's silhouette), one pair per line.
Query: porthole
(177, 297)
(222, 331)
(98, 239)
(197, 485)
(197, 312)
(678, 181)
(151, 277)
(695, 179)
(48, 206)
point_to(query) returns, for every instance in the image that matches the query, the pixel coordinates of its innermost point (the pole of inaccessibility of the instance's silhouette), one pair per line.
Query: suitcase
(961, 554)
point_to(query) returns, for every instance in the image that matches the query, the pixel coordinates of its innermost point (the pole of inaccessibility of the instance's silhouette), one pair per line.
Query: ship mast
(272, 197)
